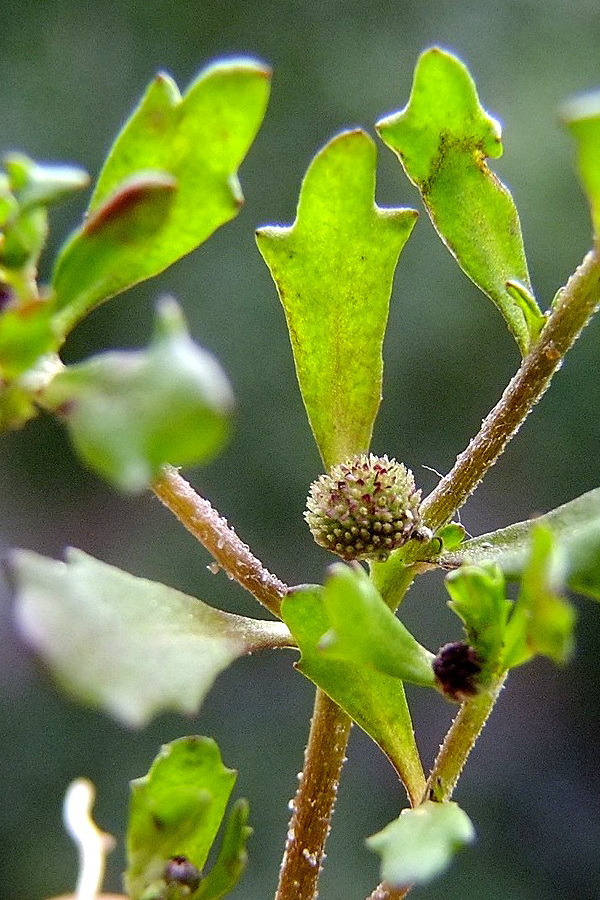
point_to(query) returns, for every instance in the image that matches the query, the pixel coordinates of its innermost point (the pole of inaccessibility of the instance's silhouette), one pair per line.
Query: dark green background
(69, 74)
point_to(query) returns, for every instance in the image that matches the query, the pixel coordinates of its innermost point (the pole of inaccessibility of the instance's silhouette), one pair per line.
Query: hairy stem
(572, 309)
(314, 801)
(221, 541)
(385, 891)
(458, 743)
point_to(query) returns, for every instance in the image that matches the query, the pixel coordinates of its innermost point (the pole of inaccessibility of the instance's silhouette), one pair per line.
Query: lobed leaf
(175, 810)
(333, 269)
(129, 413)
(194, 145)
(420, 844)
(583, 120)
(374, 701)
(442, 138)
(576, 530)
(127, 645)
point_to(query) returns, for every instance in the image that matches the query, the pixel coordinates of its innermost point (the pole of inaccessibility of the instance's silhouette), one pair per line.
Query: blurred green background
(70, 72)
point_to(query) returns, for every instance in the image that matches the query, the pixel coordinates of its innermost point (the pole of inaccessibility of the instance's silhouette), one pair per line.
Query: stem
(572, 309)
(384, 891)
(458, 743)
(314, 802)
(221, 541)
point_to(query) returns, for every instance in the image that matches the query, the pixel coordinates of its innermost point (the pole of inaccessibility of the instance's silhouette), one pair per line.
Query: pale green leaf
(373, 700)
(542, 621)
(129, 413)
(333, 269)
(127, 645)
(420, 844)
(364, 631)
(576, 530)
(583, 120)
(442, 138)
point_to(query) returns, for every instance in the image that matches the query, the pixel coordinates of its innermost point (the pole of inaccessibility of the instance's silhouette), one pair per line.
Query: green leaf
(542, 621)
(479, 599)
(232, 859)
(195, 144)
(333, 269)
(129, 413)
(576, 529)
(26, 334)
(420, 844)
(442, 138)
(130, 646)
(176, 810)
(40, 184)
(583, 120)
(373, 700)
(364, 631)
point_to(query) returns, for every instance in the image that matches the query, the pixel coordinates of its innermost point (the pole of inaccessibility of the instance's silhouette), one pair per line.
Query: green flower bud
(364, 508)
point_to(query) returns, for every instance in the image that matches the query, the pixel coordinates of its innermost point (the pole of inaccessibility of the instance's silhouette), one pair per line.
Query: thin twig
(221, 541)
(573, 308)
(314, 802)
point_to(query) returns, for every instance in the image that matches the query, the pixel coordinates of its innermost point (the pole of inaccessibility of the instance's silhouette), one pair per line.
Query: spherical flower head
(364, 508)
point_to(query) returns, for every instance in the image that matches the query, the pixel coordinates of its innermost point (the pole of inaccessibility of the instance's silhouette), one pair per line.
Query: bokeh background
(70, 72)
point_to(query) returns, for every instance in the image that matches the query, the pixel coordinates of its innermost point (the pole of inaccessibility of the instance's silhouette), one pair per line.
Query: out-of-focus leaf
(333, 269)
(420, 844)
(195, 144)
(176, 810)
(129, 413)
(542, 621)
(442, 138)
(232, 859)
(364, 631)
(479, 599)
(373, 700)
(40, 184)
(130, 646)
(576, 530)
(583, 120)
(26, 334)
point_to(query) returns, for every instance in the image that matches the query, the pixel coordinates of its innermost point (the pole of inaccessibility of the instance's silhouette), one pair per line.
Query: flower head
(364, 508)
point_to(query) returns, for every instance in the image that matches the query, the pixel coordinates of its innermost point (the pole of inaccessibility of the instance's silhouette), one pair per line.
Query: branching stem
(221, 541)
(572, 310)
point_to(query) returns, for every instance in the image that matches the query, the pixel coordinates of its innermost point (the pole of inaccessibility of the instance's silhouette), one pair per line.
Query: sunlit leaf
(195, 144)
(130, 646)
(129, 413)
(421, 843)
(583, 120)
(176, 811)
(576, 529)
(373, 700)
(442, 138)
(364, 631)
(333, 269)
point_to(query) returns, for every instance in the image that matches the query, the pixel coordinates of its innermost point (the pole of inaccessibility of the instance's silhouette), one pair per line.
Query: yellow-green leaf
(442, 138)
(333, 269)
